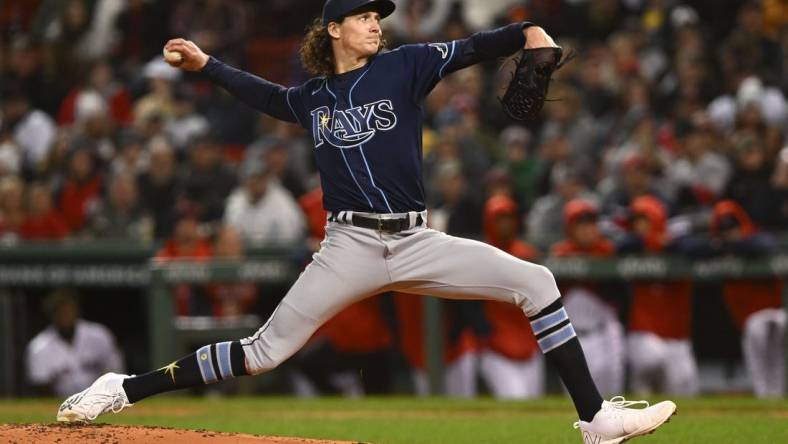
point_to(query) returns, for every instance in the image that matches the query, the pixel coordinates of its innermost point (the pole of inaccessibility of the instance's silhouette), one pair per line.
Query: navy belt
(383, 222)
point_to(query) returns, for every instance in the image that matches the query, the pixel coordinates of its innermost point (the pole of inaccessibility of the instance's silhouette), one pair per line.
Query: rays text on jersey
(354, 126)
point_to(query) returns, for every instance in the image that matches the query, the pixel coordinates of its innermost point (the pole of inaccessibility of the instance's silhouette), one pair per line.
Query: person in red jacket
(755, 305)
(81, 189)
(659, 344)
(43, 221)
(589, 305)
(510, 360)
(187, 244)
(230, 299)
(101, 80)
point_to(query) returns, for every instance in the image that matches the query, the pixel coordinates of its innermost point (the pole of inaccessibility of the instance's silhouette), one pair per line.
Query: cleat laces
(617, 405)
(115, 405)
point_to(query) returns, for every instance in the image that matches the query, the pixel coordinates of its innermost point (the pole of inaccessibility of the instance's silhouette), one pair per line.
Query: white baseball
(173, 57)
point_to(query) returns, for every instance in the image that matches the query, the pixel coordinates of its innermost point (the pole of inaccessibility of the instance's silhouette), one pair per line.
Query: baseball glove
(527, 91)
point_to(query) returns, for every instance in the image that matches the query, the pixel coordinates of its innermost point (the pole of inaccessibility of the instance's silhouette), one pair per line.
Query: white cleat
(616, 422)
(106, 394)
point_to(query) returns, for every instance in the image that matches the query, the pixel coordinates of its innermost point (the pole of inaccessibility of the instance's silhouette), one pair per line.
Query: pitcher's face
(360, 34)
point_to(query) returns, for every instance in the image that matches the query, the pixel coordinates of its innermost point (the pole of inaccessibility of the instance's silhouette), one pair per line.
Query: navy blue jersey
(366, 123)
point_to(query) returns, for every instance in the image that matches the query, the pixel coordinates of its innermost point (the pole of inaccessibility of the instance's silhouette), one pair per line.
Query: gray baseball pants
(354, 263)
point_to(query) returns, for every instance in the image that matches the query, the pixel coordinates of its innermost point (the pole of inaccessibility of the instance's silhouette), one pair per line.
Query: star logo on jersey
(354, 126)
(442, 48)
(170, 369)
(324, 119)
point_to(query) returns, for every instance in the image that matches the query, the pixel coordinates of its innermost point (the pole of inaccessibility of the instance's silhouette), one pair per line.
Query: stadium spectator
(71, 352)
(10, 158)
(100, 37)
(458, 139)
(100, 79)
(510, 362)
(33, 130)
(131, 157)
(262, 210)
(188, 244)
(457, 210)
(93, 127)
(159, 187)
(158, 102)
(547, 215)
(208, 181)
(142, 26)
(81, 189)
(593, 310)
(300, 155)
(186, 124)
(474, 130)
(633, 178)
(659, 346)
(754, 304)
(418, 20)
(521, 163)
(120, 215)
(28, 70)
(277, 159)
(568, 120)
(753, 49)
(220, 27)
(12, 207)
(750, 185)
(43, 221)
(780, 184)
(700, 174)
(230, 299)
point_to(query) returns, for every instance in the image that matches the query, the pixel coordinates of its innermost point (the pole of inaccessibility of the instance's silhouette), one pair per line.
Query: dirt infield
(114, 434)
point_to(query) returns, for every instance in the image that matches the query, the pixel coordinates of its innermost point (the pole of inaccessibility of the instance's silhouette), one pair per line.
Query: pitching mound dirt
(114, 434)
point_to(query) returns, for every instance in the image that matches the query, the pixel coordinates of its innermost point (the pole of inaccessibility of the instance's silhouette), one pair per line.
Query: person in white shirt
(71, 353)
(262, 210)
(32, 129)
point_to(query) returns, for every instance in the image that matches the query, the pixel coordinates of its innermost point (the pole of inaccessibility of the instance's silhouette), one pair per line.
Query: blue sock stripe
(557, 338)
(205, 363)
(548, 321)
(223, 358)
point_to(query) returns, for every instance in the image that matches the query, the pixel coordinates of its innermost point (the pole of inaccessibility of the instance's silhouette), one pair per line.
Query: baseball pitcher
(363, 109)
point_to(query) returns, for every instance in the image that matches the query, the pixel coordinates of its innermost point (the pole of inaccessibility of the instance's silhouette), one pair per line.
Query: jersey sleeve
(427, 63)
(271, 98)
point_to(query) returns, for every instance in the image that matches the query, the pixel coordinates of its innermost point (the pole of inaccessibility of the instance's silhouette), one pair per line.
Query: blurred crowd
(101, 139)
(667, 133)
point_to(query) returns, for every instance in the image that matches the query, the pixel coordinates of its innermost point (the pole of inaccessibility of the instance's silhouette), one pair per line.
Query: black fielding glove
(527, 91)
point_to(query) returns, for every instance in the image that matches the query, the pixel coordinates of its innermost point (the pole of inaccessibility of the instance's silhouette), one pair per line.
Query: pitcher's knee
(542, 289)
(261, 356)
(545, 279)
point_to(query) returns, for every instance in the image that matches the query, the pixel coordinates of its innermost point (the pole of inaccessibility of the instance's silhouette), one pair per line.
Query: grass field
(432, 420)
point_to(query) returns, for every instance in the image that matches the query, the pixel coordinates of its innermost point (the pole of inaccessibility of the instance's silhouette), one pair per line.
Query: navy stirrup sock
(559, 343)
(209, 364)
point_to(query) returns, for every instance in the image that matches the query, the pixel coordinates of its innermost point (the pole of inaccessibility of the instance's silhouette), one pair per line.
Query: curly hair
(316, 52)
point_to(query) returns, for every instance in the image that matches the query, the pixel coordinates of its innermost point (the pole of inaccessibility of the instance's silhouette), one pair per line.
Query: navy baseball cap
(334, 10)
